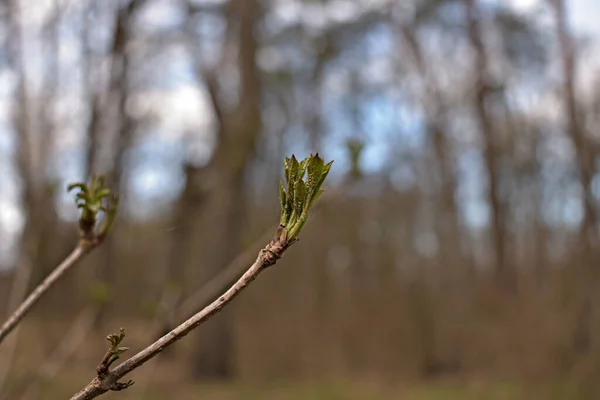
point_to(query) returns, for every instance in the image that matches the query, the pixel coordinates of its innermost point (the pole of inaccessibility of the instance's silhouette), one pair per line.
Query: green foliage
(116, 351)
(93, 199)
(301, 194)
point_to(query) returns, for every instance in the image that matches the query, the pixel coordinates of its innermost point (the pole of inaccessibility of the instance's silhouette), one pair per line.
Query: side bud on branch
(92, 199)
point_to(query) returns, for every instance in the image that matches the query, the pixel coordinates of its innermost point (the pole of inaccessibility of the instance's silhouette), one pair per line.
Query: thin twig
(217, 284)
(108, 380)
(17, 293)
(296, 203)
(212, 288)
(80, 250)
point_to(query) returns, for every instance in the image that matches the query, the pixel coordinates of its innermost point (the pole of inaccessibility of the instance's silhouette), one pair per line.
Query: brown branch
(80, 250)
(16, 296)
(109, 380)
(212, 288)
(208, 291)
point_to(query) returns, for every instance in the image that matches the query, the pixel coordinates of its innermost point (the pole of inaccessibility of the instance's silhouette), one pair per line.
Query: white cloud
(524, 5)
(178, 110)
(584, 15)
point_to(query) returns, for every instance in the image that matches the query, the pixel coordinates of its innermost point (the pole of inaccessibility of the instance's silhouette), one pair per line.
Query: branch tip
(113, 353)
(301, 193)
(92, 199)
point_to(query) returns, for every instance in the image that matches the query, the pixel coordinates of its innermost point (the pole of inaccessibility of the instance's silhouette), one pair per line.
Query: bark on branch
(16, 317)
(109, 380)
(91, 199)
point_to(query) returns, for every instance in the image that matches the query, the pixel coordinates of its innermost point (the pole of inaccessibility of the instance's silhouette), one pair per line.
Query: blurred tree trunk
(584, 153)
(315, 99)
(436, 110)
(585, 160)
(225, 206)
(33, 153)
(32, 156)
(483, 87)
(94, 98)
(118, 95)
(48, 129)
(172, 277)
(452, 273)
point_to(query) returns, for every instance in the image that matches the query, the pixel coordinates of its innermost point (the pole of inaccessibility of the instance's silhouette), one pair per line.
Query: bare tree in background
(94, 92)
(238, 135)
(217, 189)
(585, 156)
(468, 169)
(482, 100)
(576, 132)
(32, 158)
(436, 111)
(119, 86)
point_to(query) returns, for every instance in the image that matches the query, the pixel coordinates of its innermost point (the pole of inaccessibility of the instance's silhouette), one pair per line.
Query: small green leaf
(301, 194)
(112, 338)
(121, 350)
(111, 215)
(116, 339)
(287, 164)
(302, 168)
(315, 168)
(101, 193)
(324, 174)
(300, 197)
(289, 208)
(282, 199)
(80, 185)
(94, 207)
(294, 169)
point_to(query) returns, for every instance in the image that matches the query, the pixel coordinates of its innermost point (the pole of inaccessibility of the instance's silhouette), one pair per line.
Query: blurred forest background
(455, 254)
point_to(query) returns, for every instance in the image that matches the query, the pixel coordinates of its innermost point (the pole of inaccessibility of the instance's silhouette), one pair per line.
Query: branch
(90, 200)
(223, 279)
(219, 282)
(296, 202)
(42, 288)
(15, 297)
(109, 380)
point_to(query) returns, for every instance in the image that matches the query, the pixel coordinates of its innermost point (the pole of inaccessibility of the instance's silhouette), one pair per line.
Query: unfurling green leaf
(116, 339)
(314, 172)
(301, 194)
(121, 350)
(282, 198)
(102, 192)
(80, 185)
(93, 198)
